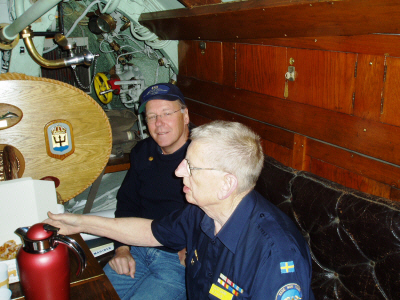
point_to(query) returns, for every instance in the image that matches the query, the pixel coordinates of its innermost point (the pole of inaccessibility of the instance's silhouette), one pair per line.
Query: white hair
(233, 148)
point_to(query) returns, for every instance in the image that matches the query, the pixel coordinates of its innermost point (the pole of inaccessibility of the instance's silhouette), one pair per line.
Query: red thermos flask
(43, 262)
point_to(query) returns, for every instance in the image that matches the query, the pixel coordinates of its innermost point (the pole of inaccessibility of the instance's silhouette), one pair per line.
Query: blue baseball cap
(160, 91)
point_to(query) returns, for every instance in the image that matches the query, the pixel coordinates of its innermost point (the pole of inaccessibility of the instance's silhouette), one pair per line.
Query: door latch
(290, 74)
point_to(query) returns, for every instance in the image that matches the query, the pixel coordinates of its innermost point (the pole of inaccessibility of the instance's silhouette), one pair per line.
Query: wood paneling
(275, 19)
(369, 86)
(374, 44)
(191, 3)
(280, 153)
(197, 119)
(203, 64)
(391, 103)
(323, 79)
(183, 56)
(229, 63)
(204, 113)
(261, 69)
(299, 152)
(358, 164)
(374, 139)
(302, 149)
(395, 194)
(349, 179)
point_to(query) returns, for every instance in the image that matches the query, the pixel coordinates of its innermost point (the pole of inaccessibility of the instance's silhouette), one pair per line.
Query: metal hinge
(354, 99)
(384, 73)
(355, 70)
(235, 65)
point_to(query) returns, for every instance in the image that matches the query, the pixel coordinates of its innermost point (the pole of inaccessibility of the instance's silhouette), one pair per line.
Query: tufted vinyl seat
(354, 237)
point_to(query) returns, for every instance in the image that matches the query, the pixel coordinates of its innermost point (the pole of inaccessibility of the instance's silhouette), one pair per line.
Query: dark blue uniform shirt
(258, 254)
(151, 189)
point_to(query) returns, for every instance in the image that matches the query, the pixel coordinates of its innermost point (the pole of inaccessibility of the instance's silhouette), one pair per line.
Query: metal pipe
(128, 82)
(10, 32)
(83, 58)
(30, 46)
(47, 33)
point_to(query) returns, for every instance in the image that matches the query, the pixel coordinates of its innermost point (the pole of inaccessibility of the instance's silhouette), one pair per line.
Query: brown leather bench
(354, 237)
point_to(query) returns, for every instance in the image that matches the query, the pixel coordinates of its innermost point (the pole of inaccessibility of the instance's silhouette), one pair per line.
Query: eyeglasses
(189, 168)
(166, 116)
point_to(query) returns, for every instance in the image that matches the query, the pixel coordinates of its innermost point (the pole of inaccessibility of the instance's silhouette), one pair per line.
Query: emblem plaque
(59, 139)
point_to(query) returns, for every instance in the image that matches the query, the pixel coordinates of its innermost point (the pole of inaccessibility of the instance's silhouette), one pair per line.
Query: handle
(77, 249)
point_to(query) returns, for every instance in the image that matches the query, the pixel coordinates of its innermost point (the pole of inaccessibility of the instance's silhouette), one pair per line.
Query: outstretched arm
(130, 231)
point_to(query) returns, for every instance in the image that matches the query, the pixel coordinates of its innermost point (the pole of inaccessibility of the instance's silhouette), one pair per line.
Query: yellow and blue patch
(287, 267)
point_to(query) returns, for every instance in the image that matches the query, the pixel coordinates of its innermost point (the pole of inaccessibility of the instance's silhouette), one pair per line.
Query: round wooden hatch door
(61, 133)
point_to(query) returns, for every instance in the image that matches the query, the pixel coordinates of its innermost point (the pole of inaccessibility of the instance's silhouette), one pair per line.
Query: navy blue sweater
(150, 188)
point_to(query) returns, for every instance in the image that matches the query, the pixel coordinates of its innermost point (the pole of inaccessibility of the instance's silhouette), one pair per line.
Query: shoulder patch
(287, 267)
(291, 291)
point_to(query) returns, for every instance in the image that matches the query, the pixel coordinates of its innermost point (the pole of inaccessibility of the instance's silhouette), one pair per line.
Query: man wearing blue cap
(151, 190)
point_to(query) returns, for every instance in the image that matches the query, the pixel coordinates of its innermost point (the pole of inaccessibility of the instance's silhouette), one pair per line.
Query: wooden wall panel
(207, 65)
(261, 69)
(191, 3)
(299, 152)
(369, 86)
(338, 121)
(374, 139)
(197, 119)
(395, 194)
(349, 179)
(374, 44)
(358, 164)
(324, 79)
(266, 132)
(280, 153)
(229, 64)
(275, 19)
(391, 102)
(183, 56)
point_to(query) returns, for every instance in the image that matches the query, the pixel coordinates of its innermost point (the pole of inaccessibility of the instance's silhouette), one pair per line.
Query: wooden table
(92, 284)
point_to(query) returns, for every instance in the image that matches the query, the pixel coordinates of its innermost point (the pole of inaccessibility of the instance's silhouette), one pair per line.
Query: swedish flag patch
(287, 267)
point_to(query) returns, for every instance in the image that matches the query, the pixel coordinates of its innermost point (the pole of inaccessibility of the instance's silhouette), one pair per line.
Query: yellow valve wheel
(101, 86)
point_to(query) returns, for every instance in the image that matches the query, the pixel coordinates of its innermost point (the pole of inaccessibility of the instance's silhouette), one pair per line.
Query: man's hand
(68, 223)
(182, 257)
(123, 262)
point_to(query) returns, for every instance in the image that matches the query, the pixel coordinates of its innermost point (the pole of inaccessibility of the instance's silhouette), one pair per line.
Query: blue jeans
(159, 275)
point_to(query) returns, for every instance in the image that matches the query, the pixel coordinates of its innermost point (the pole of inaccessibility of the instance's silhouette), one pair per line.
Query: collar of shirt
(230, 232)
(173, 156)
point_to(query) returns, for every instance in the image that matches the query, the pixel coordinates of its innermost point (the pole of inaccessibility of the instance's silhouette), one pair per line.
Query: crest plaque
(59, 139)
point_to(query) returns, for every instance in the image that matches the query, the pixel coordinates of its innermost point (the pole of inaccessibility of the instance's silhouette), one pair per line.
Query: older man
(151, 190)
(239, 244)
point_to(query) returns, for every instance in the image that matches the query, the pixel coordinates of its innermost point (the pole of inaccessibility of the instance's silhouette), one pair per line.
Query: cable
(143, 34)
(83, 32)
(156, 79)
(11, 10)
(125, 54)
(131, 39)
(101, 50)
(75, 24)
(130, 46)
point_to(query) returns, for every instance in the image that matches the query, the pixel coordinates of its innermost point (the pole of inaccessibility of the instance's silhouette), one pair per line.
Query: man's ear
(229, 185)
(186, 116)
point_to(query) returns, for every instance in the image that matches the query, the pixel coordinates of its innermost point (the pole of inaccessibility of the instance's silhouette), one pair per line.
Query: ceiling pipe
(10, 32)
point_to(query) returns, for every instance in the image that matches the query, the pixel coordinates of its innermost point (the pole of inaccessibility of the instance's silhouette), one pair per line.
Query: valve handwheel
(101, 85)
